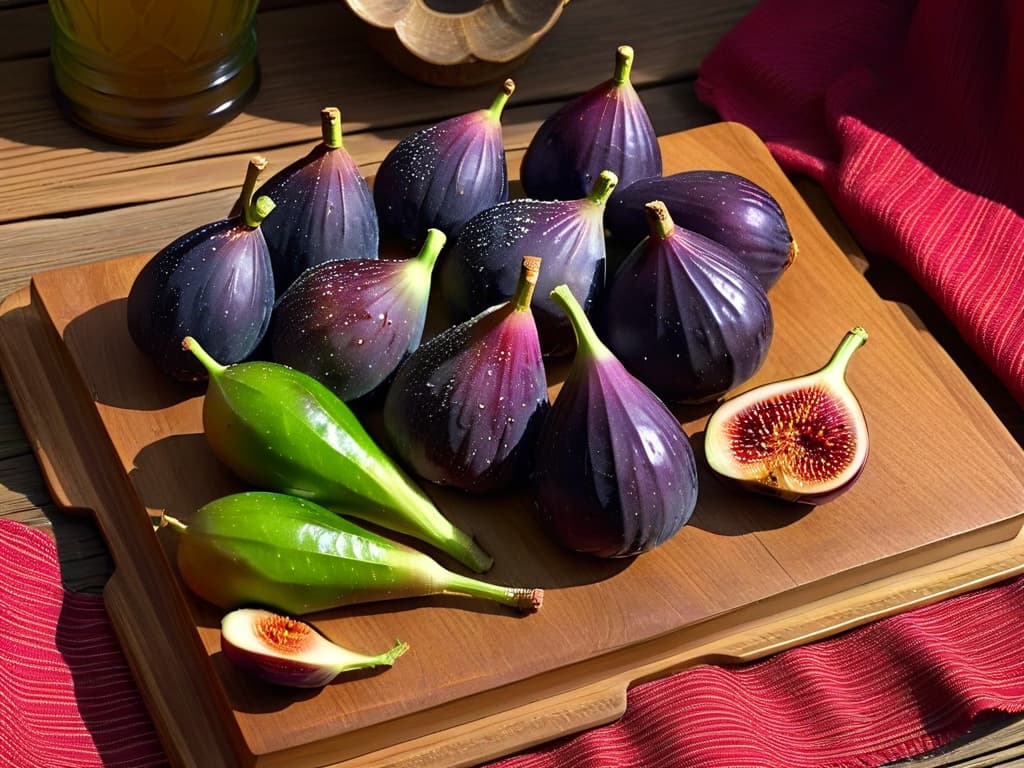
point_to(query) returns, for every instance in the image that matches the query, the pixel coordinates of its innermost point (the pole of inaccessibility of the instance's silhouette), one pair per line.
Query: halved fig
(802, 439)
(289, 652)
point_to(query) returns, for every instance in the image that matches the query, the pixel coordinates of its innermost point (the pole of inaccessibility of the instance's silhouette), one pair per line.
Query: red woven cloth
(910, 115)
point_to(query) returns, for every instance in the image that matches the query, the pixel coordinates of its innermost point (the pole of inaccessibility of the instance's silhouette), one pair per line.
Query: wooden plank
(316, 55)
(156, 446)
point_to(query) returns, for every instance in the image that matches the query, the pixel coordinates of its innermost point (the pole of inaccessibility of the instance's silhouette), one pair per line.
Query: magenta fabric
(910, 115)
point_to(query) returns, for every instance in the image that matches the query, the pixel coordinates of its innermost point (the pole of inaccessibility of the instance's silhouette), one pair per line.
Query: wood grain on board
(136, 435)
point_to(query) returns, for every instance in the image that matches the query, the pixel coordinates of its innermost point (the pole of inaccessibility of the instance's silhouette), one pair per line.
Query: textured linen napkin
(911, 116)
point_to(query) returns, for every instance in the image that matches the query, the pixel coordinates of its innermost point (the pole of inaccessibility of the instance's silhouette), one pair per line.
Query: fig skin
(726, 207)
(441, 176)
(685, 316)
(481, 269)
(466, 407)
(284, 651)
(606, 128)
(615, 475)
(214, 283)
(803, 439)
(350, 323)
(324, 209)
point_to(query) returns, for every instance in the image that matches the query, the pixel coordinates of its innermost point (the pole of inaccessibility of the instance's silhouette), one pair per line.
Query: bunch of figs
(315, 292)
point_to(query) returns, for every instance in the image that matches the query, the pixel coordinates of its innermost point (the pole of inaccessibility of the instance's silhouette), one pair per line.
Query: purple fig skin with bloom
(482, 266)
(214, 283)
(726, 207)
(616, 475)
(350, 323)
(324, 209)
(685, 316)
(466, 407)
(441, 176)
(606, 128)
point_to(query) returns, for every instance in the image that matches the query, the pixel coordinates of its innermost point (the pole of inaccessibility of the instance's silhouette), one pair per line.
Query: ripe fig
(285, 651)
(295, 556)
(214, 283)
(615, 472)
(351, 323)
(441, 176)
(685, 316)
(482, 266)
(606, 128)
(324, 209)
(281, 429)
(465, 408)
(802, 439)
(726, 207)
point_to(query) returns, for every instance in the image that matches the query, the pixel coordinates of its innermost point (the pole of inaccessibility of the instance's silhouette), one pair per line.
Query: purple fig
(441, 176)
(214, 283)
(465, 408)
(350, 323)
(685, 316)
(323, 211)
(606, 128)
(802, 439)
(285, 651)
(615, 472)
(482, 267)
(726, 207)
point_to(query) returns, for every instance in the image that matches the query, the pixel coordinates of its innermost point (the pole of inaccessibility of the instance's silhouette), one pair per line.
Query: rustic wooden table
(70, 198)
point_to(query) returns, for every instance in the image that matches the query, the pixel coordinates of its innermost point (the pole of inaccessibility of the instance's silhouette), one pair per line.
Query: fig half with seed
(289, 652)
(802, 439)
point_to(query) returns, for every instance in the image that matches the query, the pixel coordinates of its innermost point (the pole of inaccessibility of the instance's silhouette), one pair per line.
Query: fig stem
(525, 599)
(431, 248)
(330, 127)
(495, 110)
(659, 219)
(527, 283)
(852, 341)
(603, 187)
(252, 174)
(623, 64)
(586, 336)
(174, 523)
(212, 366)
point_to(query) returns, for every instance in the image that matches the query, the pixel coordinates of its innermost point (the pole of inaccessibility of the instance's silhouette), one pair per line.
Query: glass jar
(153, 71)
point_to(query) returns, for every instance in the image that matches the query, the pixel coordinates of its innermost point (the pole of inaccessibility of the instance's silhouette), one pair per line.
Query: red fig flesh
(802, 439)
(286, 651)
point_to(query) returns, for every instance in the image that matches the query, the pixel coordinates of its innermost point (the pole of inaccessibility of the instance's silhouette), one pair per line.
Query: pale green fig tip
(330, 127)
(496, 108)
(659, 220)
(527, 283)
(603, 187)
(431, 248)
(172, 522)
(586, 336)
(212, 366)
(255, 215)
(623, 64)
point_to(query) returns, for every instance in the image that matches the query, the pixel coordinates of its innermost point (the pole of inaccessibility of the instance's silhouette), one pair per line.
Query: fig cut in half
(802, 439)
(285, 651)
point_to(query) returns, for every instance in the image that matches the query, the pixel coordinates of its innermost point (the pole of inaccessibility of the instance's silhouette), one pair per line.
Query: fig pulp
(606, 128)
(685, 316)
(285, 651)
(615, 472)
(350, 323)
(441, 176)
(726, 207)
(295, 556)
(214, 283)
(482, 267)
(324, 209)
(282, 430)
(465, 408)
(803, 439)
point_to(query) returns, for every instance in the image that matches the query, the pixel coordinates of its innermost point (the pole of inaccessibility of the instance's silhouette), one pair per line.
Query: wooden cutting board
(936, 510)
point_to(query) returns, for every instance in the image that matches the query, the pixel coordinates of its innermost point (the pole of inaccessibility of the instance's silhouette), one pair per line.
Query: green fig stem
(659, 219)
(527, 283)
(586, 337)
(256, 166)
(852, 341)
(525, 599)
(330, 127)
(388, 657)
(623, 64)
(212, 366)
(495, 110)
(603, 187)
(173, 522)
(431, 248)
